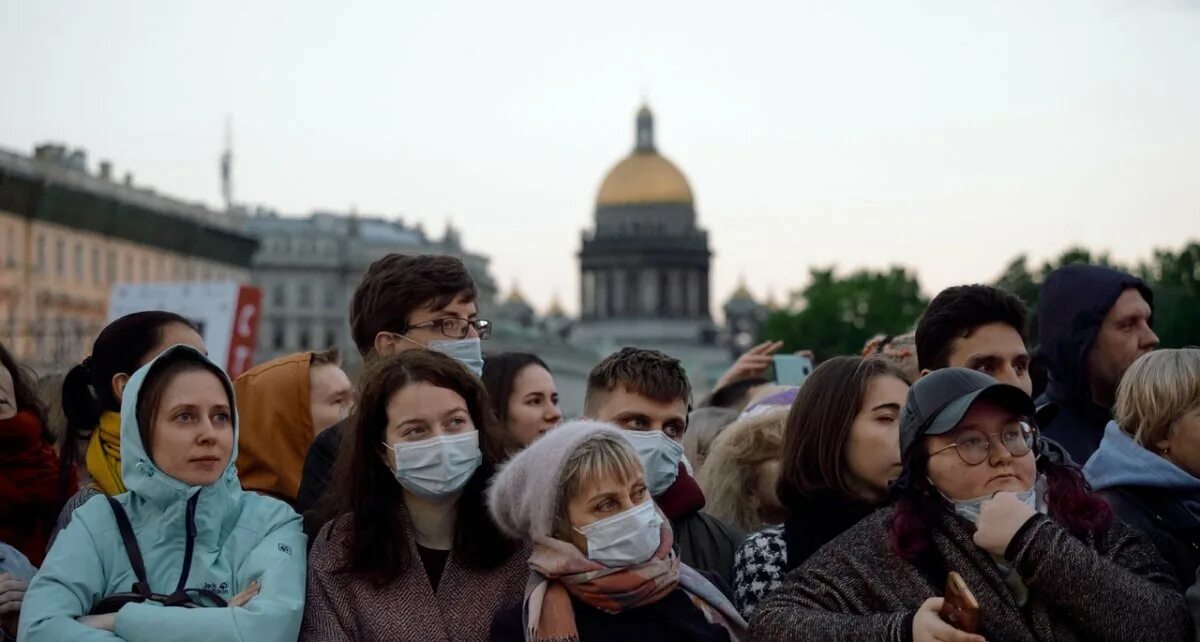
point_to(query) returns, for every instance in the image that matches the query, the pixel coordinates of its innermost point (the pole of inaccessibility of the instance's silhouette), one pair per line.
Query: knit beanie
(523, 496)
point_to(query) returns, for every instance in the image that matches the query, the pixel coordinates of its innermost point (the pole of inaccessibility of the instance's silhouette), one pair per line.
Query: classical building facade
(68, 235)
(308, 268)
(644, 268)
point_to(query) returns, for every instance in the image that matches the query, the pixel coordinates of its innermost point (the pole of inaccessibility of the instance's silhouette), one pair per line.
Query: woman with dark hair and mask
(92, 391)
(603, 566)
(33, 485)
(982, 497)
(410, 529)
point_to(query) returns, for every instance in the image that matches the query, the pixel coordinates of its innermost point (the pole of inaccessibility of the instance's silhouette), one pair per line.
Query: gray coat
(1112, 587)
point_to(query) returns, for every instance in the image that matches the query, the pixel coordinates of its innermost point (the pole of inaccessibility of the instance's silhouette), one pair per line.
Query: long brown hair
(819, 423)
(366, 490)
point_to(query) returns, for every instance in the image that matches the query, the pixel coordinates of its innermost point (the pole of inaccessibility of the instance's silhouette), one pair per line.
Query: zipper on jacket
(190, 541)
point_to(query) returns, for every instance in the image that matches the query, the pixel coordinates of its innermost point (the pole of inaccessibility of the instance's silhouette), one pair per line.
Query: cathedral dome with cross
(644, 267)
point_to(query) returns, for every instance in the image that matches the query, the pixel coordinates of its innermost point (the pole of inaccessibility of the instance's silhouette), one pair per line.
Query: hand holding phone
(961, 609)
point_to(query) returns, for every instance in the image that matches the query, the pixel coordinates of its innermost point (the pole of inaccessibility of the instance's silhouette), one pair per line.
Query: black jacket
(1071, 308)
(673, 618)
(318, 470)
(708, 544)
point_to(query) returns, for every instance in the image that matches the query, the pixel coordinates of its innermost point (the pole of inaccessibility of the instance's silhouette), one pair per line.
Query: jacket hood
(273, 402)
(1120, 461)
(138, 470)
(1072, 305)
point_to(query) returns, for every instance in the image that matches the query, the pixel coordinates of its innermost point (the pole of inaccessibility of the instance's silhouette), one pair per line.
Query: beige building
(67, 236)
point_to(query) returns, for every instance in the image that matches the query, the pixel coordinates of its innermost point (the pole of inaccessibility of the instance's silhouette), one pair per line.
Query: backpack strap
(132, 550)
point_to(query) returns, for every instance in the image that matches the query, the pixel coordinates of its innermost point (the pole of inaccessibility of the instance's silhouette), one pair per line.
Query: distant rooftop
(54, 163)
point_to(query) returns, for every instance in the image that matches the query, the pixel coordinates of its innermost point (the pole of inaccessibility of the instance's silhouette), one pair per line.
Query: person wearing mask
(900, 351)
(402, 303)
(524, 398)
(1043, 556)
(739, 476)
(412, 553)
(239, 555)
(92, 391)
(15, 573)
(1148, 463)
(980, 327)
(284, 404)
(603, 566)
(840, 451)
(647, 393)
(33, 485)
(1093, 323)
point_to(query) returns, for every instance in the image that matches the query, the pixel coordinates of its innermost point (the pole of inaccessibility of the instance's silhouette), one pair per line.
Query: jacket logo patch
(219, 589)
(284, 548)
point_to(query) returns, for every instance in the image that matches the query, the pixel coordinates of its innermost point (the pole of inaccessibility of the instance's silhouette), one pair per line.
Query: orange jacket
(276, 425)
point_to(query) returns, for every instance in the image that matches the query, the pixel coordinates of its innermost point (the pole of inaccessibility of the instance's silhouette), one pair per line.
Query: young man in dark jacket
(1094, 322)
(403, 302)
(646, 393)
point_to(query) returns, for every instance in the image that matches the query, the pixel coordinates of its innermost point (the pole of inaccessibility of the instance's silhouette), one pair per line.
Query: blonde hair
(730, 473)
(1158, 389)
(601, 456)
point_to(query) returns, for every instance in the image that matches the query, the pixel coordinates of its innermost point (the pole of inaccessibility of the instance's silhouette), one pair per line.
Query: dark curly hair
(956, 312)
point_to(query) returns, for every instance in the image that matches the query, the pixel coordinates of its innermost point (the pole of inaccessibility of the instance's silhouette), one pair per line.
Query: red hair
(1068, 497)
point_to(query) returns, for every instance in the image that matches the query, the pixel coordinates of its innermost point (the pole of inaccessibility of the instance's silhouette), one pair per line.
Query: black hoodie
(1073, 303)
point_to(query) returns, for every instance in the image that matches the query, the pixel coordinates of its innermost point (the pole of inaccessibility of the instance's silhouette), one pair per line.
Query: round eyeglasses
(973, 445)
(456, 328)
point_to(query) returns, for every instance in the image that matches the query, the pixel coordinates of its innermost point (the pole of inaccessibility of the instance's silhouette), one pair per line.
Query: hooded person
(603, 565)
(282, 405)
(1093, 322)
(1148, 464)
(194, 525)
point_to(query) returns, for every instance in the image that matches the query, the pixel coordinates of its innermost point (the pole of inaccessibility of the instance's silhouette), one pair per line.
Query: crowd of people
(947, 484)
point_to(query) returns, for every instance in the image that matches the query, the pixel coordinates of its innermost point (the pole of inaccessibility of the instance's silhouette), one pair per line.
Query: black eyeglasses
(456, 328)
(973, 446)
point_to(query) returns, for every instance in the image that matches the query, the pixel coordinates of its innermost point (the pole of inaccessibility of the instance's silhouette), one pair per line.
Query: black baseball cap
(937, 402)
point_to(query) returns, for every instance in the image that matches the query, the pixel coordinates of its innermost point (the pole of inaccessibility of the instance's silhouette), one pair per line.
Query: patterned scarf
(104, 455)
(561, 570)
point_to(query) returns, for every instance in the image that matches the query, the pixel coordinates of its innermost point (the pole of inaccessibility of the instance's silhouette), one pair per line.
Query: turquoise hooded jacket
(239, 537)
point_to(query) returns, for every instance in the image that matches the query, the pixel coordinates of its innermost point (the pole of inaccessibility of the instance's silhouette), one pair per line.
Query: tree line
(835, 314)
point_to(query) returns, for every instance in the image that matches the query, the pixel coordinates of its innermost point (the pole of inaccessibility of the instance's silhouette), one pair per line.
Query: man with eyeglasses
(402, 303)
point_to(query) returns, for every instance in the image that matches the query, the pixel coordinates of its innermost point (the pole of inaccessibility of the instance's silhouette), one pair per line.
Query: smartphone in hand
(791, 369)
(961, 609)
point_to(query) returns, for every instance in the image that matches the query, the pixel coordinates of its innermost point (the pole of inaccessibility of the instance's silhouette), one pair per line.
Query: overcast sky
(946, 136)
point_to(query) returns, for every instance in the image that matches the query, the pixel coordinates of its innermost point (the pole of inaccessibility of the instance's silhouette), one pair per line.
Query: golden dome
(644, 176)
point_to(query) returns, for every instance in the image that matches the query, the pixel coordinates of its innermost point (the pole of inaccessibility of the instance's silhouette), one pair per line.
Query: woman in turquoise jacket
(248, 549)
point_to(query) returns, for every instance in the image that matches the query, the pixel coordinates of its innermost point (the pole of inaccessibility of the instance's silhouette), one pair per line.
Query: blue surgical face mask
(625, 539)
(438, 467)
(969, 509)
(469, 352)
(660, 456)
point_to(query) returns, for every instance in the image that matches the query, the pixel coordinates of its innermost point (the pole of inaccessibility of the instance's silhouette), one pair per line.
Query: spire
(227, 165)
(645, 130)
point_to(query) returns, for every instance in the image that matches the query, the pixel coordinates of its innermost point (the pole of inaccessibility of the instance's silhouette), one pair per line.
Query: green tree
(834, 316)
(1175, 278)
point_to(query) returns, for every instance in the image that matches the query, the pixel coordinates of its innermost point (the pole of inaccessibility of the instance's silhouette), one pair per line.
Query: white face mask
(625, 539)
(969, 509)
(436, 468)
(660, 456)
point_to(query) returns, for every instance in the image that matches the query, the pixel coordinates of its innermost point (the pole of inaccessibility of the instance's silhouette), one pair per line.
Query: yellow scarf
(104, 455)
